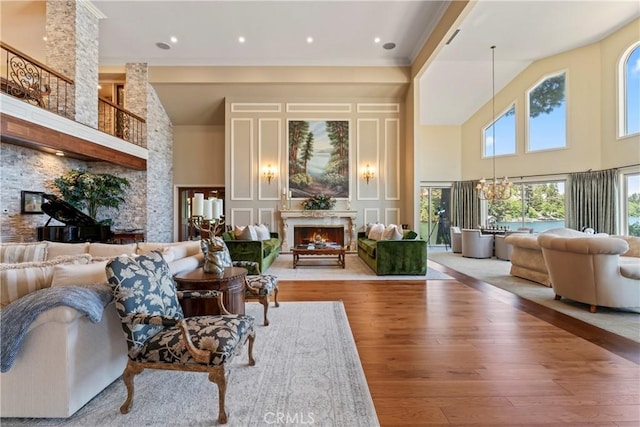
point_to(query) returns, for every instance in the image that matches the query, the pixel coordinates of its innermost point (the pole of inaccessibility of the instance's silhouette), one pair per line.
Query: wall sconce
(368, 173)
(269, 173)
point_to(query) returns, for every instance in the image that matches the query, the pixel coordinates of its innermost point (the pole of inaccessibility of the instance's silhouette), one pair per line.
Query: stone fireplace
(305, 234)
(329, 219)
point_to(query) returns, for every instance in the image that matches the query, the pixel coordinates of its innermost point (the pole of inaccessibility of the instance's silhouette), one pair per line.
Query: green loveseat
(394, 257)
(264, 252)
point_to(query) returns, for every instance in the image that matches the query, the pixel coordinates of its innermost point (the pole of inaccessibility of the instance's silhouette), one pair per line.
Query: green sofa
(264, 252)
(394, 257)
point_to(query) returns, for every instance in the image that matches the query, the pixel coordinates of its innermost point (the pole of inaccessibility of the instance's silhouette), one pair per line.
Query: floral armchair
(159, 337)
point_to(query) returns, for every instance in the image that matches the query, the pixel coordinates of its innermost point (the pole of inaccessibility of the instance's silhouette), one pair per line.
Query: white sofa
(593, 271)
(65, 359)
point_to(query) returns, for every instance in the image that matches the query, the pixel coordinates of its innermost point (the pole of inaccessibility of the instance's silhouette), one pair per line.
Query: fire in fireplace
(305, 234)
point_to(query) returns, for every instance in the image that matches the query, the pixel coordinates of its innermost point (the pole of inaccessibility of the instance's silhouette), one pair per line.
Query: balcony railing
(117, 121)
(28, 79)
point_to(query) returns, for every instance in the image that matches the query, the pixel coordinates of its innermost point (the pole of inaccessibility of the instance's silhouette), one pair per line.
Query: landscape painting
(319, 158)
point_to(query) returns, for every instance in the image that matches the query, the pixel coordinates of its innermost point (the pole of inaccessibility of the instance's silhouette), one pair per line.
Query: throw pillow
(79, 275)
(392, 232)
(410, 235)
(262, 232)
(56, 249)
(376, 232)
(11, 253)
(106, 249)
(18, 280)
(245, 233)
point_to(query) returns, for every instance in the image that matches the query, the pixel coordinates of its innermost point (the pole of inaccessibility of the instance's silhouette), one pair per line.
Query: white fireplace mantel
(292, 218)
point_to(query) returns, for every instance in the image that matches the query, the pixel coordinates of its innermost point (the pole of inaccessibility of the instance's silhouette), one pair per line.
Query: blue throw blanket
(16, 317)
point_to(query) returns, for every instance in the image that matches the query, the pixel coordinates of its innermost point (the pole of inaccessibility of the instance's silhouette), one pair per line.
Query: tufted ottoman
(260, 286)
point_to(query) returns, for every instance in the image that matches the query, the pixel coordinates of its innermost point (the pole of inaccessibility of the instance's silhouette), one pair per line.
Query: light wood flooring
(461, 352)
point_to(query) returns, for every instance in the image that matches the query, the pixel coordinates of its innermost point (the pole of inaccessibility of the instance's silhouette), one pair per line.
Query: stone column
(72, 49)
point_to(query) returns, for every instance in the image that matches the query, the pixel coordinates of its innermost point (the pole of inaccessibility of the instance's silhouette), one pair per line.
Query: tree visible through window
(547, 114)
(633, 205)
(505, 134)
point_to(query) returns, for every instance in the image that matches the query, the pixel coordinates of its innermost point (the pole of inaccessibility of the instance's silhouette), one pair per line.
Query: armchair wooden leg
(557, 297)
(264, 300)
(251, 338)
(275, 297)
(130, 371)
(593, 308)
(219, 377)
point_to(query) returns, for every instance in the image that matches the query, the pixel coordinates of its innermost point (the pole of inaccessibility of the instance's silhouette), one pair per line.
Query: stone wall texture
(72, 49)
(142, 100)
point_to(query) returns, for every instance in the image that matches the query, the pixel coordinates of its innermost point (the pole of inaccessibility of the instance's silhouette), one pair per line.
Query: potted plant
(88, 191)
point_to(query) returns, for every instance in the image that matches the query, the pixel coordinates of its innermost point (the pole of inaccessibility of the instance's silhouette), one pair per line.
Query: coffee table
(311, 253)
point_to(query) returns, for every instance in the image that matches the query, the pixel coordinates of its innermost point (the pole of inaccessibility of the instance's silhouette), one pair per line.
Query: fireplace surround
(305, 234)
(318, 218)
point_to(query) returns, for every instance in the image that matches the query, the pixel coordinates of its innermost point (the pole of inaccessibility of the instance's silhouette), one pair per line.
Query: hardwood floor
(460, 352)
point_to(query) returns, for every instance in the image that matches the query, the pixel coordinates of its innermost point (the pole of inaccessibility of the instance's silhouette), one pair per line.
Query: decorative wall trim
(267, 216)
(392, 216)
(241, 217)
(242, 153)
(378, 108)
(392, 159)
(256, 107)
(371, 216)
(275, 185)
(362, 185)
(318, 108)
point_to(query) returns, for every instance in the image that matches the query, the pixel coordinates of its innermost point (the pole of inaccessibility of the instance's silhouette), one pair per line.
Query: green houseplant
(88, 191)
(318, 202)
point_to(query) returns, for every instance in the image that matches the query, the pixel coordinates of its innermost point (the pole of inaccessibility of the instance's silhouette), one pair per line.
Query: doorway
(186, 231)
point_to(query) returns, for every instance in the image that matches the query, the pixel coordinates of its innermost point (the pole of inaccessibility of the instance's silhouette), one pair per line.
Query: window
(547, 123)
(434, 215)
(540, 206)
(505, 134)
(629, 84)
(632, 205)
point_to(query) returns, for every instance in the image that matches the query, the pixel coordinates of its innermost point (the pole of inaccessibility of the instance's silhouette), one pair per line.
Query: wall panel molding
(256, 107)
(293, 107)
(242, 174)
(368, 152)
(269, 151)
(392, 216)
(378, 108)
(241, 217)
(392, 159)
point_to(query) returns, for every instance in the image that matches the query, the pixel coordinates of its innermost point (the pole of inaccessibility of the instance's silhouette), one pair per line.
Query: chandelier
(494, 189)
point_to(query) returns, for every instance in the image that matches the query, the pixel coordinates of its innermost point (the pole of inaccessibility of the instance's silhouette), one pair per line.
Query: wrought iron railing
(28, 79)
(117, 121)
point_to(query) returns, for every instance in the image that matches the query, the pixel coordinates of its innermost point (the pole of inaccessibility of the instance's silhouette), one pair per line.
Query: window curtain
(465, 205)
(592, 200)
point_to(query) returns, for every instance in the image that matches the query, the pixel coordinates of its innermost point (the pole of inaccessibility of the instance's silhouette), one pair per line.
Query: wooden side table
(231, 283)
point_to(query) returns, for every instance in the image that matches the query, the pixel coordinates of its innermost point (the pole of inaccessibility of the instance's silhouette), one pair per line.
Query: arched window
(629, 92)
(547, 114)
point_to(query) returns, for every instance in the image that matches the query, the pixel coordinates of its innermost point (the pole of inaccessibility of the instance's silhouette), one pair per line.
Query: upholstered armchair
(159, 337)
(475, 244)
(503, 248)
(591, 270)
(456, 239)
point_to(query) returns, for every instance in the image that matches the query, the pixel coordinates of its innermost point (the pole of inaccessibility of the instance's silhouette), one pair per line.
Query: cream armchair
(475, 244)
(590, 270)
(456, 239)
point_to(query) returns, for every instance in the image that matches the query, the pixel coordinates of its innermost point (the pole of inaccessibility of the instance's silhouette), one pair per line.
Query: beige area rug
(327, 269)
(307, 372)
(496, 272)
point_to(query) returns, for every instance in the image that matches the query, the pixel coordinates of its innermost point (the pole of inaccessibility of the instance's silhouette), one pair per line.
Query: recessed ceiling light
(163, 46)
(44, 38)
(174, 39)
(309, 39)
(241, 39)
(99, 87)
(389, 45)
(59, 153)
(376, 40)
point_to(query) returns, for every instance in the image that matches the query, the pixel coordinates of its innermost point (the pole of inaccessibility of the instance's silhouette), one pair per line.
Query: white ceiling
(455, 85)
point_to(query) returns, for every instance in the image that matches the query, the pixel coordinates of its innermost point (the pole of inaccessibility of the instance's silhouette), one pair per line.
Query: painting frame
(31, 202)
(324, 165)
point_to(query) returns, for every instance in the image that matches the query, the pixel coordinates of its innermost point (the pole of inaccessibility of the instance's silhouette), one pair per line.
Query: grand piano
(79, 227)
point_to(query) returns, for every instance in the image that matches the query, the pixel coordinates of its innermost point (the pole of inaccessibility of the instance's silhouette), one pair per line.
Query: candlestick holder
(284, 202)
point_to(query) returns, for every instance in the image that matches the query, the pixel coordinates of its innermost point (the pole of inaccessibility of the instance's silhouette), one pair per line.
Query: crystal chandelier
(494, 189)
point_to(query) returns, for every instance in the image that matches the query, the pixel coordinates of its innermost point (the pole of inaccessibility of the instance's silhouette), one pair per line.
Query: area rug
(307, 372)
(327, 269)
(496, 273)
